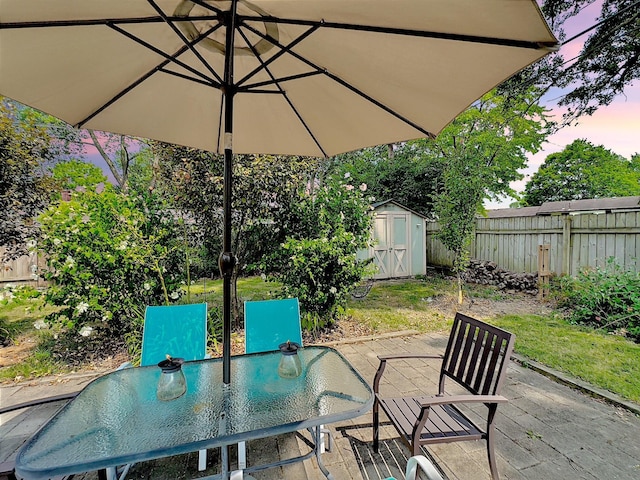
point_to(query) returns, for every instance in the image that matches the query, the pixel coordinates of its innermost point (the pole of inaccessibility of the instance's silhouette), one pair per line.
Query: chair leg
(490, 446)
(376, 425)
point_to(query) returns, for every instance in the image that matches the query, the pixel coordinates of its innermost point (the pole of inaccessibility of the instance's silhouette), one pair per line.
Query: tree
(25, 150)
(582, 170)
(263, 188)
(405, 172)
(483, 149)
(608, 61)
(75, 174)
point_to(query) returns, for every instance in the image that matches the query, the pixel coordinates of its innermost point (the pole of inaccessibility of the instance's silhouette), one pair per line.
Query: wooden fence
(22, 270)
(575, 241)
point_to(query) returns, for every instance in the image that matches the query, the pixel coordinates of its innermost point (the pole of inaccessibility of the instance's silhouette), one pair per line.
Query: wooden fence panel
(21, 270)
(576, 241)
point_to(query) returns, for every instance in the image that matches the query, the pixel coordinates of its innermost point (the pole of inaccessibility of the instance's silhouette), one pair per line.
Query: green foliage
(263, 188)
(580, 171)
(483, 147)
(76, 174)
(605, 298)
(108, 255)
(25, 148)
(406, 172)
(317, 262)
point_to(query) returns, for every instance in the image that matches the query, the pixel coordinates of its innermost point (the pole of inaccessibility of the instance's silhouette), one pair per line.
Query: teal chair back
(268, 323)
(176, 330)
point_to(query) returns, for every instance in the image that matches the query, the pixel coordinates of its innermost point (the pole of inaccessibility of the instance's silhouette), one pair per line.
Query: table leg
(317, 432)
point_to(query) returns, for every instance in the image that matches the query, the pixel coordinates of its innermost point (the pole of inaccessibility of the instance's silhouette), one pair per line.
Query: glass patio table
(118, 420)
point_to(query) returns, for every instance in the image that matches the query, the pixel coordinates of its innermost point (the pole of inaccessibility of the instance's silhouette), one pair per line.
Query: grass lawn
(606, 361)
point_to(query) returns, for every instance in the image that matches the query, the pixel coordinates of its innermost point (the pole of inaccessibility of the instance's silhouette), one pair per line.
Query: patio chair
(176, 330)
(476, 359)
(420, 463)
(267, 324)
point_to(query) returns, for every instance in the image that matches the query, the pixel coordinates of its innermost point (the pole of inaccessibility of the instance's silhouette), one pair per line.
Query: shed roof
(393, 202)
(615, 204)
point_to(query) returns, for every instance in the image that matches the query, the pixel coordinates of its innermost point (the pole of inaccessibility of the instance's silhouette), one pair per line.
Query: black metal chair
(476, 358)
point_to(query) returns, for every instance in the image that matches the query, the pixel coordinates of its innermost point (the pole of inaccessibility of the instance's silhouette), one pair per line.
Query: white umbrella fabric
(307, 77)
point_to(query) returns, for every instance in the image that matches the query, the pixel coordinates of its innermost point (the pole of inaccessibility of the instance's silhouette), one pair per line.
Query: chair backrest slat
(477, 355)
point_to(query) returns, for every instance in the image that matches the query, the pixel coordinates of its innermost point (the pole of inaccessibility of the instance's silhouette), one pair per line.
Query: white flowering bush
(109, 255)
(317, 262)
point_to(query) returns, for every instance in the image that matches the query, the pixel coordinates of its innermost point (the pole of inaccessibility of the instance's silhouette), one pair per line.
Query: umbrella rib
(99, 21)
(144, 77)
(251, 86)
(505, 42)
(185, 40)
(172, 58)
(345, 84)
(281, 52)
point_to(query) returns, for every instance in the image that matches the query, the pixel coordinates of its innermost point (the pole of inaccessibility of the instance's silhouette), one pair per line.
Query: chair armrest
(383, 363)
(398, 356)
(452, 399)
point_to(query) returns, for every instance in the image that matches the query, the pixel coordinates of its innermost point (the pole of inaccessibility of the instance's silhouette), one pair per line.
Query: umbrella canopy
(305, 77)
(311, 77)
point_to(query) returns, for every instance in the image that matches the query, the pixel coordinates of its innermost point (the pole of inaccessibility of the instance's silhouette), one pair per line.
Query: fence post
(544, 257)
(566, 245)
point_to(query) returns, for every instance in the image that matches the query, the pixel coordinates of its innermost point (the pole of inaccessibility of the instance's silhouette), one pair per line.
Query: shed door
(390, 252)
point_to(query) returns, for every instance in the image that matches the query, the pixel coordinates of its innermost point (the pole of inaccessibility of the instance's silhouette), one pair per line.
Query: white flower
(363, 187)
(347, 175)
(147, 286)
(40, 325)
(349, 187)
(175, 295)
(86, 218)
(86, 331)
(82, 307)
(263, 277)
(69, 261)
(123, 245)
(333, 290)
(57, 241)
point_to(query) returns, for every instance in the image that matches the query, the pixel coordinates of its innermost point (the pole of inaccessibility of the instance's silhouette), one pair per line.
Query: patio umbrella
(304, 77)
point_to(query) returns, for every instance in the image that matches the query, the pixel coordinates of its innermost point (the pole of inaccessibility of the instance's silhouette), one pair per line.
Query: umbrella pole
(227, 258)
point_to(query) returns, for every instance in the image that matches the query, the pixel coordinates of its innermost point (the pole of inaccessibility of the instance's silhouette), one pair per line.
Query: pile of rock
(488, 273)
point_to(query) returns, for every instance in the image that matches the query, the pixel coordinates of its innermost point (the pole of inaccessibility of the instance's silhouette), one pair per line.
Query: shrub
(108, 255)
(606, 298)
(317, 262)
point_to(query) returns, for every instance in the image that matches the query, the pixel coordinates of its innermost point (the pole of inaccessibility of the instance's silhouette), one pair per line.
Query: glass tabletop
(117, 418)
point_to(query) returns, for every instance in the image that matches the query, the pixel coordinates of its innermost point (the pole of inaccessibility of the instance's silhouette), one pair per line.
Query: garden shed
(399, 239)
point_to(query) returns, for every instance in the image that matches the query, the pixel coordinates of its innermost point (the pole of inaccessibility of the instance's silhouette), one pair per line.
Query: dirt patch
(515, 303)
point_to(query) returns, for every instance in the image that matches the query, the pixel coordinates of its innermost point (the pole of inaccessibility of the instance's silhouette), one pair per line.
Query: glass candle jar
(172, 383)
(290, 365)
